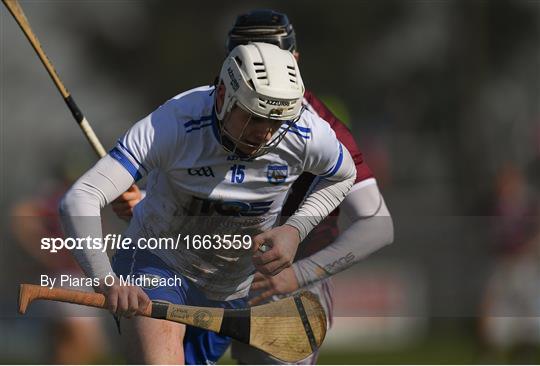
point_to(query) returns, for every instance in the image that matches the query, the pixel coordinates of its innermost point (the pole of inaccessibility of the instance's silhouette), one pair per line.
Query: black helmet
(263, 25)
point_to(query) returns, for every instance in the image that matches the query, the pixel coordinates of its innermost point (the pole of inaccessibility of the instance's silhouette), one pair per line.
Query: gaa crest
(277, 174)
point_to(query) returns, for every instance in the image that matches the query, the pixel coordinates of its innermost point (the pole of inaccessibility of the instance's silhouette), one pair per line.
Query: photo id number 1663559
(227, 241)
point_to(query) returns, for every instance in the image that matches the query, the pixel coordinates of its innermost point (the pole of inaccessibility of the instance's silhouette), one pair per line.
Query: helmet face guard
(262, 25)
(264, 81)
(230, 142)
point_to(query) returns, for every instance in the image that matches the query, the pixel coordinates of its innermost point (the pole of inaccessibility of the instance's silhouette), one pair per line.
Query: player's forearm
(325, 197)
(80, 211)
(371, 229)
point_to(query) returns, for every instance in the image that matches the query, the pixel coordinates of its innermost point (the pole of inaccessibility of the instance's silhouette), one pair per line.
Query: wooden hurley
(17, 12)
(289, 329)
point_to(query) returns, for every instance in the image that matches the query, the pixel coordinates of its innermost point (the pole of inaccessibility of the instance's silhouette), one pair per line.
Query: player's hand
(281, 244)
(285, 282)
(124, 301)
(123, 205)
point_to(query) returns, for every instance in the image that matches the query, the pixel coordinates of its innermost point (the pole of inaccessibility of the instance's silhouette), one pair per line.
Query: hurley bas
(145, 281)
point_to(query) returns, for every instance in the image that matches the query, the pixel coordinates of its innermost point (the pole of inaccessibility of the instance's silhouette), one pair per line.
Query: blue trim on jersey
(132, 156)
(116, 154)
(307, 137)
(199, 127)
(299, 128)
(303, 132)
(197, 121)
(338, 164)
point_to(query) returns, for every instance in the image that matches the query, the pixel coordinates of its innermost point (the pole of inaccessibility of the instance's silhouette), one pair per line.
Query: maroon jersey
(326, 232)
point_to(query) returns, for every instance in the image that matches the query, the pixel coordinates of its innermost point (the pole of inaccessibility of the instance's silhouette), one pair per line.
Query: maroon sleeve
(327, 231)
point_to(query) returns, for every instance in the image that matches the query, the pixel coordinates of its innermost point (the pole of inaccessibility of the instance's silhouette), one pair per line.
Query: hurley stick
(17, 12)
(289, 329)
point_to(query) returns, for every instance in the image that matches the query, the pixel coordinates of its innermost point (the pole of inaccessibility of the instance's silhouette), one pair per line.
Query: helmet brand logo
(234, 82)
(283, 103)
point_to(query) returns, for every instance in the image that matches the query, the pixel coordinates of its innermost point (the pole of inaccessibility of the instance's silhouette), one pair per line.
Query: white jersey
(196, 187)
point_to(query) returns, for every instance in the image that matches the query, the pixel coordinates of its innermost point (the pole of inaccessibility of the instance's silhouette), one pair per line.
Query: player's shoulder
(300, 133)
(198, 96)
(188, 109)
(312, 124)
(309, 133)
(191, 103)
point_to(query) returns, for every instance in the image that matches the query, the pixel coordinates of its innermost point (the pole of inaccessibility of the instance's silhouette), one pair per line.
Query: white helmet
(264, 80)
